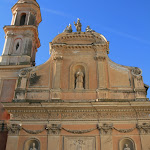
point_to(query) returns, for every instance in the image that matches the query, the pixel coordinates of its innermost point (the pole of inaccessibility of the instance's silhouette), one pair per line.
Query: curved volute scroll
(139, 87)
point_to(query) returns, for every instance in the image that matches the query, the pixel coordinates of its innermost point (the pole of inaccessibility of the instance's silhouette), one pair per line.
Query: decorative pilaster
(101, 75)
(144, 130)
(53, 136)
(13, 136)
(57, 71)
(140, 91)
(105, 130)
(101, 71)
(56, 85)
(21, 84)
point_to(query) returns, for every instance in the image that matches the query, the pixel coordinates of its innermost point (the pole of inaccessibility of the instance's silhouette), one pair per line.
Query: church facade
(79, 99)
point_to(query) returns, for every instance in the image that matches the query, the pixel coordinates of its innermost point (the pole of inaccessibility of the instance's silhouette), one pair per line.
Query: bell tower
(21, 40)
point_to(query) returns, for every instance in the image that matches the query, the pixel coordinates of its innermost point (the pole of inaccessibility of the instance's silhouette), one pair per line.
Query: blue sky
(124, 23)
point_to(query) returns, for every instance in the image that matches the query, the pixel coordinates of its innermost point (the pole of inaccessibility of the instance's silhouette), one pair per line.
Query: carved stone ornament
(79, 143)
(33, 131)
(124, 130)
(10, 34)
(13, 129)
(24, 72)
(105, 128)
(79, 131)
(58, 58)
(100, 58)
(54, 129)
(34, 78)
(136, 71)
(144, 128)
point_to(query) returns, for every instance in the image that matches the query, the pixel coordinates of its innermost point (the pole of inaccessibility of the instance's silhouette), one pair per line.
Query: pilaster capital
(53, 129)
(105, 128)
(13, 129)
(58, 58)
(143, 128)
(100, 58)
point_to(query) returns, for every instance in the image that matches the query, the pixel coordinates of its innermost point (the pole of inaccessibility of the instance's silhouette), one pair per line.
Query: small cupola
(26, 12)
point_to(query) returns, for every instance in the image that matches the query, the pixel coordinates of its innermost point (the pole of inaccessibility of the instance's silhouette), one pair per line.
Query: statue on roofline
(78, 25)
(88, 29)
(68, 29)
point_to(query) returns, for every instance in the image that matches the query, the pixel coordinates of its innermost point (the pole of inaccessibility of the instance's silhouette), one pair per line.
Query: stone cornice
(79, 46)
(77, 107)
(15, 67)
(79, 111)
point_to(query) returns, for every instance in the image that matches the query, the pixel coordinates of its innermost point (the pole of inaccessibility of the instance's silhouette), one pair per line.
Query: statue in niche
(79, 79)
(127, 147)
(78, 25)
(33, 148)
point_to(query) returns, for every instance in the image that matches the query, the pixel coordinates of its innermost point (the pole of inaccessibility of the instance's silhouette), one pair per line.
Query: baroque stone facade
(79, 99)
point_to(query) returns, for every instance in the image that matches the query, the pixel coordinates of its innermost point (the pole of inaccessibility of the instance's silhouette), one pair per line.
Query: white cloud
(126, 35)
(56, 12)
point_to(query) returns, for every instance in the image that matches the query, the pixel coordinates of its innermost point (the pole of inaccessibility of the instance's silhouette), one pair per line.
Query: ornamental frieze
(79, 115)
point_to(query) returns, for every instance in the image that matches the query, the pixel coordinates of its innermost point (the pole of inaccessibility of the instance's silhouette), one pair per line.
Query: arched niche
(126, 144)
(74, 68)
(32, 144)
